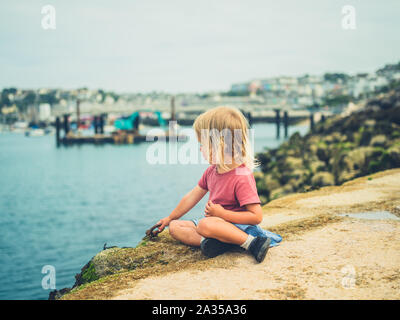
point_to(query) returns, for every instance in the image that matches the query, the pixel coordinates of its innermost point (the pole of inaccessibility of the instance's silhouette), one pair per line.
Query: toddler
(233, 210)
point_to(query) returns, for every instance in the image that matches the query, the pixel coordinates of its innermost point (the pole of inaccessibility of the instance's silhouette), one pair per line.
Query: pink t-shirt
(233, 189)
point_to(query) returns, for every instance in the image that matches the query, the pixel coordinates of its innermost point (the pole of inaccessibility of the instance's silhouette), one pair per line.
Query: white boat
(35, 133)
(20, 125)
(109, 129)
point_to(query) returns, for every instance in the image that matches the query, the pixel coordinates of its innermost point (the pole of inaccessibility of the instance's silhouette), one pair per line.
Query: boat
(34, 133)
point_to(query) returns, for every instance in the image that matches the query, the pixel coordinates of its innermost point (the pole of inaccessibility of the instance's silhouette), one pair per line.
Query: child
(233, 211)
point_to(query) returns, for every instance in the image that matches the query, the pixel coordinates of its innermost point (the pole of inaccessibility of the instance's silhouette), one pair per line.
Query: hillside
(338, 150)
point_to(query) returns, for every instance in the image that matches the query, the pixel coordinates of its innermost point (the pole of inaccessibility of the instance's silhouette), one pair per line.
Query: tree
(335, 77)
(5, 100)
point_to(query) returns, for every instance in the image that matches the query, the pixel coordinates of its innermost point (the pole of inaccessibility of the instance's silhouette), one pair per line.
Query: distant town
(330, 91)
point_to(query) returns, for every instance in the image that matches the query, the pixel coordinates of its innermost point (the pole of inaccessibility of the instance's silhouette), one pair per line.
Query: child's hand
(164, 223)
(214, 210)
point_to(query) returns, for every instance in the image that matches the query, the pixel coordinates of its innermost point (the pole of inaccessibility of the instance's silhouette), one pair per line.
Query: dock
(127, 129)
(117, 138)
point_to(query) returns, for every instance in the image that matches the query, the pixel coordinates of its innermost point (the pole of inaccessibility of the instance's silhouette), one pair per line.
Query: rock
(271, 183)
(370, 123)
(346, 176)
(281, 153)
(294, 163)
(261, 185)
(265, 183)
(313, 149)
(299, 174)
(291, 153)
(264, 159)
(104, 263)
(356, 137)
(335, 137)
(378, 141)
(313, 139)
(277, 193)
(111, 261)
(309, 157)
(366, 136)
(386, 103)
(322, 179)
(347, 147)
(357, 158)
(296, 184)
(288, 188)
(316, 166)
(395, 130)
(323, 152)
(258, 175)
(57, 294)
(394, 153)
(263, 199)
(285, 167)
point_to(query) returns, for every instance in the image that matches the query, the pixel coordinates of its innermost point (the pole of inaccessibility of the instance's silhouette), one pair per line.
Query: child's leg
(217, 228)
(185, 231)
(226, 233)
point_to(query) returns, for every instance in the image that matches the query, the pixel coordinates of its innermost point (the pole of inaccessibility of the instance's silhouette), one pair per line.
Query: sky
(190, 46)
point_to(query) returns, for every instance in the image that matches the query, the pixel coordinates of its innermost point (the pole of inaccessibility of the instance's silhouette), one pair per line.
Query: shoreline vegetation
(294, 179)
(338, 150)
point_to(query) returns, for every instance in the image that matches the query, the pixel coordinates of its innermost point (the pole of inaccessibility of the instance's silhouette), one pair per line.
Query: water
(58, 206)
(372, 215)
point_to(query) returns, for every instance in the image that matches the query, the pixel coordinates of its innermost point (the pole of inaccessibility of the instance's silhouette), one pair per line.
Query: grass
(89, 274)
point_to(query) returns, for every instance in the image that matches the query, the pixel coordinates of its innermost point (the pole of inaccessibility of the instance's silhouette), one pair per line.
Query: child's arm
(252, 215)
(186, 204)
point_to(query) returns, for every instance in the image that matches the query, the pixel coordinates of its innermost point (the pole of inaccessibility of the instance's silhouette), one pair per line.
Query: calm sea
(58, 206)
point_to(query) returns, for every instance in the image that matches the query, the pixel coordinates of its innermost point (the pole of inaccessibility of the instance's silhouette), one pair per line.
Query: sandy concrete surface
(347, 258)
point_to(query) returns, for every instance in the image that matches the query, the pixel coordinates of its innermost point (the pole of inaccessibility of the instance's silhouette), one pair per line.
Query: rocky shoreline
(338, 150)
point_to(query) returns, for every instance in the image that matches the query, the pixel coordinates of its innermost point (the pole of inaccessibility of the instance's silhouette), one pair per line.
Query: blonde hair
(215, 129)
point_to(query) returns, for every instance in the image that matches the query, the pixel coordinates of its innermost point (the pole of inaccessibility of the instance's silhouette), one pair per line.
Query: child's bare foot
(213, 247)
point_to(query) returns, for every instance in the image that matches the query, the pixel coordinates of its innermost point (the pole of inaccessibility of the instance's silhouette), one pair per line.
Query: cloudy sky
(190, 46)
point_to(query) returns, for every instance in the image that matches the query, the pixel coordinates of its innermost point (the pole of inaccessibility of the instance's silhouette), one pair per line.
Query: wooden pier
(131, 136)
(117, 138)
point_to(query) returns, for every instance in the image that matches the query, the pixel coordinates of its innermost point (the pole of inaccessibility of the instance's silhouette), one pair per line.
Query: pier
(116, 137)
(126, 130)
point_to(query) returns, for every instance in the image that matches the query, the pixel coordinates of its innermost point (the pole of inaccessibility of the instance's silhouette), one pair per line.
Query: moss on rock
(90, 274)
